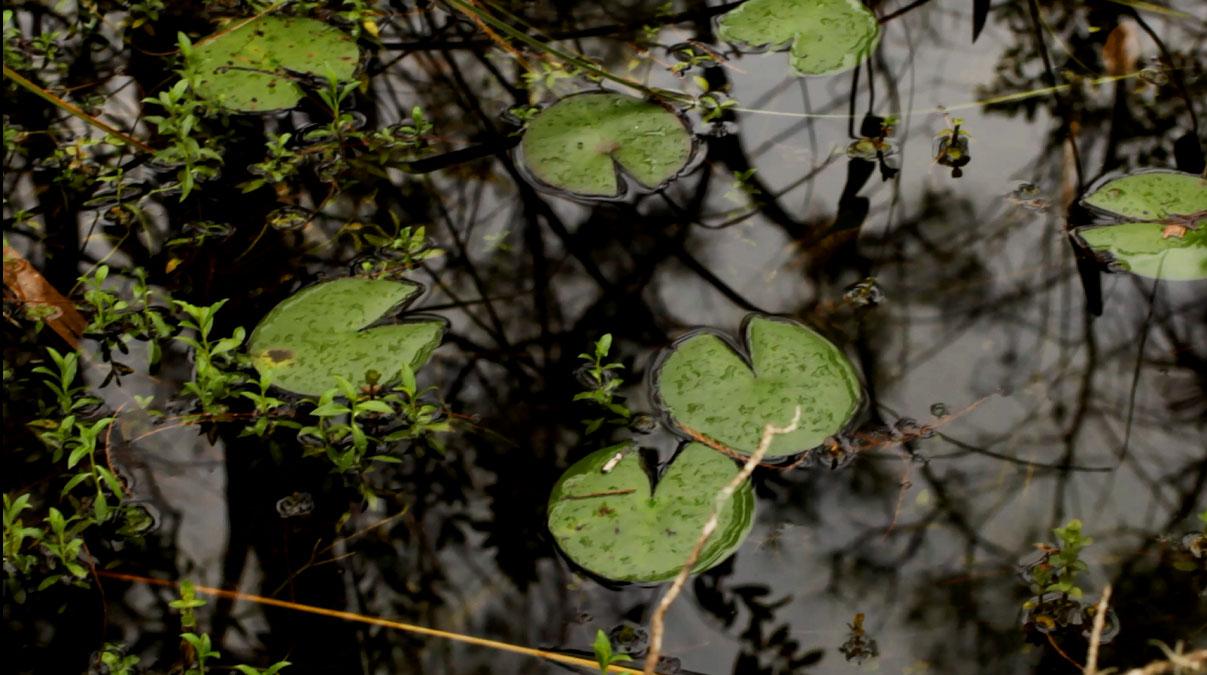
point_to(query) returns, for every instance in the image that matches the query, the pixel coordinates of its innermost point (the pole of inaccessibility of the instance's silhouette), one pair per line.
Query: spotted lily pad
(586, 144)
(611, 524)
(1160, 231)
(710, 390)
(252, 65)
(823, 36)
(323, 331)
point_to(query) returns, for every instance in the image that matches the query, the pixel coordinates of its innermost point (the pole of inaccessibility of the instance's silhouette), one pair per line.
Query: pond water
(1029, 382)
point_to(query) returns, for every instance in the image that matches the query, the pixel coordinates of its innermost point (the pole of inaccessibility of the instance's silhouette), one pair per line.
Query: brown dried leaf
(1121, 52)
(34, 292)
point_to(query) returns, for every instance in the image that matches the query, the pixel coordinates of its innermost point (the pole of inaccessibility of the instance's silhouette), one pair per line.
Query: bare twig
(657, 621)
(73, 110)
(1091, 659)
(373, 621)
(605, 493)
(1177, 662)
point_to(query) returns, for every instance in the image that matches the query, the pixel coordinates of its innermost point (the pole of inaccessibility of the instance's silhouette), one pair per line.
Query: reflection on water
(951, 285)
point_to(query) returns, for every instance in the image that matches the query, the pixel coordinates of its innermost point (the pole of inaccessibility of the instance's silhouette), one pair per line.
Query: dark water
(1063, 413)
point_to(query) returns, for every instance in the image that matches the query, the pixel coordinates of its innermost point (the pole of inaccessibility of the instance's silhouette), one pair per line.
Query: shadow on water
(1055, 388)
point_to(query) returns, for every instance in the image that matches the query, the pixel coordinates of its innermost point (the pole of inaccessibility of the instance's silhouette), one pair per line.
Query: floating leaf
(322, 332)
(611, 524)
(824, 36)
(1166, 239)
(252, 66)
(1141, 248)
(710, 390)
(583, 143)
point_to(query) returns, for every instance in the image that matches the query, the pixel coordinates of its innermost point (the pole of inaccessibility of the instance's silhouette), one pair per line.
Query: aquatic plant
(597, 144)
(823, 37)
(712, 391)
(254, 64)
(1158, 230)
(605, 516)
(327, 331)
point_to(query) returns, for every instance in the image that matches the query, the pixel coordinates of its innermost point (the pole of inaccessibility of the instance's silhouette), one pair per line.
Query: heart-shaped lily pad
(251, 66)
(583, 143)
(322, 332)
(824, 36)
(711, 391)
(1160, 234)
(611, 525)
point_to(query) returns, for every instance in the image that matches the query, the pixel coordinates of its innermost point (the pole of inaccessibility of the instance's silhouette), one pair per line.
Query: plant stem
(374, 621)
(74, 110)
(656, 622)
(477, 14)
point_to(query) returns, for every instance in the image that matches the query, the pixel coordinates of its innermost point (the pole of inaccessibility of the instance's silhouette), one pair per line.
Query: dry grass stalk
(658, 620)
(1091, 659)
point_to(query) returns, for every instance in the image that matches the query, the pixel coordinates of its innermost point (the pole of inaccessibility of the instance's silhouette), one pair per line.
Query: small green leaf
(603, 650)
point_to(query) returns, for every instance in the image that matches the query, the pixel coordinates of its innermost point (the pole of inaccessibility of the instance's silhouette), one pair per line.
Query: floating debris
(859, 647)
(295, 505)
(1029, 196)
(866, 293)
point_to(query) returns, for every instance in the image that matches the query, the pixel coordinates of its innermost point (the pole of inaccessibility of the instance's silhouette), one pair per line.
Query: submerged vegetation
(297, 295)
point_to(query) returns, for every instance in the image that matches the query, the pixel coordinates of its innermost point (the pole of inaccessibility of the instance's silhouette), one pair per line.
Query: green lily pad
(613, 526)
(322, 332)
(823, 36)
(710, 390)
(582, 144)
(1156, 200)
(1141, 249)
(250, 67)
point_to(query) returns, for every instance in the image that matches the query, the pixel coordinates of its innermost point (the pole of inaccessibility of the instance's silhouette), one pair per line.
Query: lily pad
(253, 65)
(322, 332)
(587, 143)
(710, 390)
(612, 525)
(823, 36)
(1160, 234)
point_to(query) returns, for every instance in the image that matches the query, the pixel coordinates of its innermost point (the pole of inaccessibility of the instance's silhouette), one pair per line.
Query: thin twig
(1177, 662)
(1063, 655)
(605, 493)
(1091, 659)
(657, 621)
(74, 110)
(373, 621)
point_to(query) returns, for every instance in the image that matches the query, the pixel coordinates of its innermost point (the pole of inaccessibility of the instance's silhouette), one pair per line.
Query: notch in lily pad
(254, 64)
(823, 37)
(326, 331)
(715, 392)
(1159, 231)
(598, 144)
(606, 518)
